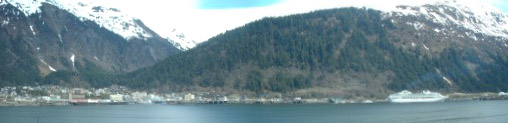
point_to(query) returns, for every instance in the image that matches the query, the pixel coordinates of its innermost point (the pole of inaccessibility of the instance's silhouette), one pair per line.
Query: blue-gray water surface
(440, 112)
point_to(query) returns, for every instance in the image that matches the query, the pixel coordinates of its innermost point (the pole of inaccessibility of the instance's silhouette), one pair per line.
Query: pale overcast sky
(203, 19)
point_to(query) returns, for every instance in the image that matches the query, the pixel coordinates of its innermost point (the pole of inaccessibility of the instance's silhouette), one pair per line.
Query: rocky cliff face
(53, 39)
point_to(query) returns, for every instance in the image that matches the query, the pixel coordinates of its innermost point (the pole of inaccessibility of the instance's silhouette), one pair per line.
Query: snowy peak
(179, 40)
(73, 36)
(474, 16)
(109, 18)
(26, 6)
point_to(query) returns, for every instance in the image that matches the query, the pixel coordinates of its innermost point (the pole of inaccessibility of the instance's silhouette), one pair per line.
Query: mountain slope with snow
(44, 40)
(477, 17)
(109, 18)
(179, 40)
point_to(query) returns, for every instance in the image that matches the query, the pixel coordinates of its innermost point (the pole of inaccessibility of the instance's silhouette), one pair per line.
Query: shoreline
(12, 104)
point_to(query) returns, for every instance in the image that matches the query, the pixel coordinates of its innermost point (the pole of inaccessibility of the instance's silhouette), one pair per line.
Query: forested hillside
(343, 52)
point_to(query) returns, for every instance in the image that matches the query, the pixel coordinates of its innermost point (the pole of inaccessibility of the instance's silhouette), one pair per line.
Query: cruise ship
(408, 97)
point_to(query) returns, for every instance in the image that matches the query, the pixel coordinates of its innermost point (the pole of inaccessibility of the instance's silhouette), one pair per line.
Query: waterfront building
(116, 97)
(189, 97)
(138, 96)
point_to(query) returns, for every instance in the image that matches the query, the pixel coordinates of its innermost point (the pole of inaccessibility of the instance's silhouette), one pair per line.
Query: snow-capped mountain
(477, 17)
(53, 36)
(179, 40)
(109, 18)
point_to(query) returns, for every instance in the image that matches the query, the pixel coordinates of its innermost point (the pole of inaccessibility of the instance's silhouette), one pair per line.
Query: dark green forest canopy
(262, 55)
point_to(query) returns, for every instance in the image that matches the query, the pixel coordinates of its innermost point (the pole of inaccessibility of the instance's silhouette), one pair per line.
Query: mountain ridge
(54, 40)
(110, 18)
(335, 52)
(342, 52)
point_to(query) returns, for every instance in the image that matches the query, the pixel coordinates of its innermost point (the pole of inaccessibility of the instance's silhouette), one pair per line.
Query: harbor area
(119, 95)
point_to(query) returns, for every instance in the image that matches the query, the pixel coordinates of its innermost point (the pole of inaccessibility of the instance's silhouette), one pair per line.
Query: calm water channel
(441, 112)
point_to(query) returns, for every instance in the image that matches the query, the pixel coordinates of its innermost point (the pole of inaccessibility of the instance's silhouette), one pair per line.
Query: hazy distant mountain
(444, 46)
(179, 40)
(41, 38)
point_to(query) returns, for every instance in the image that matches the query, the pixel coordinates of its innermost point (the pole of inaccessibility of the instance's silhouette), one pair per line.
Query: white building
(116, 97)
(54, 97)
(138, 95)
(189, 97)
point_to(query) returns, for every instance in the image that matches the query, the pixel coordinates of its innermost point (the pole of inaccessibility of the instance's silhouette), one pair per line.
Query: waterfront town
(117, 95)
(120, 95)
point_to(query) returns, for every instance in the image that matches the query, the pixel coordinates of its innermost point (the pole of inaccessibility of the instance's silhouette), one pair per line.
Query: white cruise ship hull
(408, 97)
(417, 100)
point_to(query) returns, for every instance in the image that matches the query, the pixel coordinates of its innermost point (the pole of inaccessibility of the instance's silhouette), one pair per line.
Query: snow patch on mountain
(425, 46)
(447, 81)
(5, 22)
(49, 66)
(179, 40)
(72, 59)
(60, 38)
(109, 18)
(32, 29)
(416, 25)
(437, 30)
